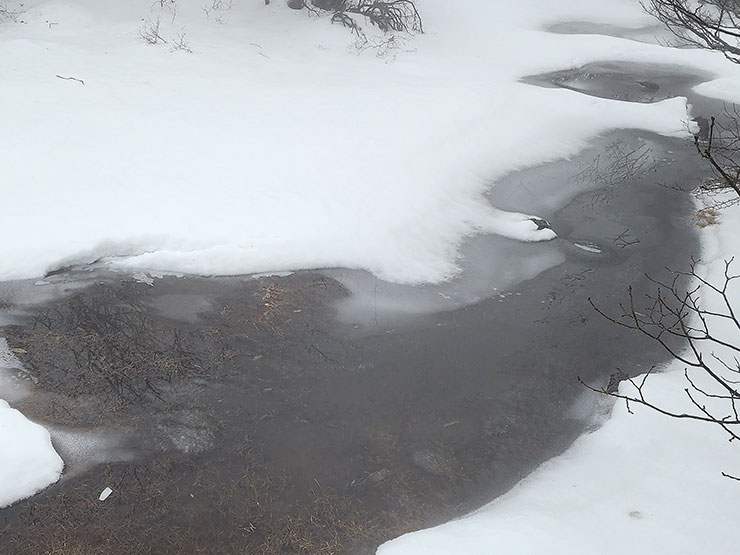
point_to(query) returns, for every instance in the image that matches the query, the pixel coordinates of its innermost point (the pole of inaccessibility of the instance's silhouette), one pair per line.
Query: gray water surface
(259, 415)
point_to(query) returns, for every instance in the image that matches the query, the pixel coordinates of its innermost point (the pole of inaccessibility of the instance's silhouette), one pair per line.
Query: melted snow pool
(625, 81)
(491, 265)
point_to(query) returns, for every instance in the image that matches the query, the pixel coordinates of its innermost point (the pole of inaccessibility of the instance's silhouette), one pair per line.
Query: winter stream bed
(247, 414)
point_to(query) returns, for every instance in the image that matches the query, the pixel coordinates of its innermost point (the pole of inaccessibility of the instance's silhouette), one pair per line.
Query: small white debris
(588, 247)
(105, 494)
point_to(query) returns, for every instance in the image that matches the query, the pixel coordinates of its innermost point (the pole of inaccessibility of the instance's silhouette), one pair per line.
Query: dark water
(654, 34)
(241, 416)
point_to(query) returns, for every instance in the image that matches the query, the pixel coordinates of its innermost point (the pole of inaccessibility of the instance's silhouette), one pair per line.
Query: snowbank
(275, 145)
(28, 462)
(725, 88)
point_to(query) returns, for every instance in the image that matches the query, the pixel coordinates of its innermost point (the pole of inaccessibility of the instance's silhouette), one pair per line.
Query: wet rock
(540, 223)
(704, 125)
(649, 85)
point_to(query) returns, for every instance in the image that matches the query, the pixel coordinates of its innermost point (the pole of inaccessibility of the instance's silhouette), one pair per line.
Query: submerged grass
(102, 357)
(185, 506)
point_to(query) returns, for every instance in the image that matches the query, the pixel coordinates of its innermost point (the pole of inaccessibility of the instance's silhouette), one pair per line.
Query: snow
(276, 146)
(724, 88)
(28, 461)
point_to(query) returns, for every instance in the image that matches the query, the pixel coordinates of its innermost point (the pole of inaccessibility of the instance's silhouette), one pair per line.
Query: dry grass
(226, 500)
(181, 506)
(706, 217)
(274, 312)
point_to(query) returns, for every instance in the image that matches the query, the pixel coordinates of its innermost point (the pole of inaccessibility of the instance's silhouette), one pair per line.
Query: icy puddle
(283, 413)
(626, 81)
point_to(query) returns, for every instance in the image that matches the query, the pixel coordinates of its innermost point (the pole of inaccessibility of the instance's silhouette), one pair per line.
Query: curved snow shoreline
(642, 480)
(290, 155)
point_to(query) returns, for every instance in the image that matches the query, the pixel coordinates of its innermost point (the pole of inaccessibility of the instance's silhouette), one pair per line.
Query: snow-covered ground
(266, 141)
(272, 146)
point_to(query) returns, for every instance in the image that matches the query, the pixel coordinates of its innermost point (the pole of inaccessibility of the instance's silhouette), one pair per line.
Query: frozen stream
(242, 409)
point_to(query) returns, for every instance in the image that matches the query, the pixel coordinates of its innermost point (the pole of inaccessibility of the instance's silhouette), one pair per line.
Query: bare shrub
(103, 343)
(169, 5)
(181, 42)
(710, 25)
(397, 15)
(386, 15)
(718, 142)
(386, 46)
(707, 24)
(695, 321)
(8, 13)
(215, 7)
(149, 31)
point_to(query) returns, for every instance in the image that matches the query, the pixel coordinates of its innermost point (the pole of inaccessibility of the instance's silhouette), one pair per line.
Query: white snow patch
(28, 462)
(725, 88)
(272, 148)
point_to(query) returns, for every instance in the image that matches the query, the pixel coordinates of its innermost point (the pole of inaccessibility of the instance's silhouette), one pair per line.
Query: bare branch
(707, 24)
(676, 317)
